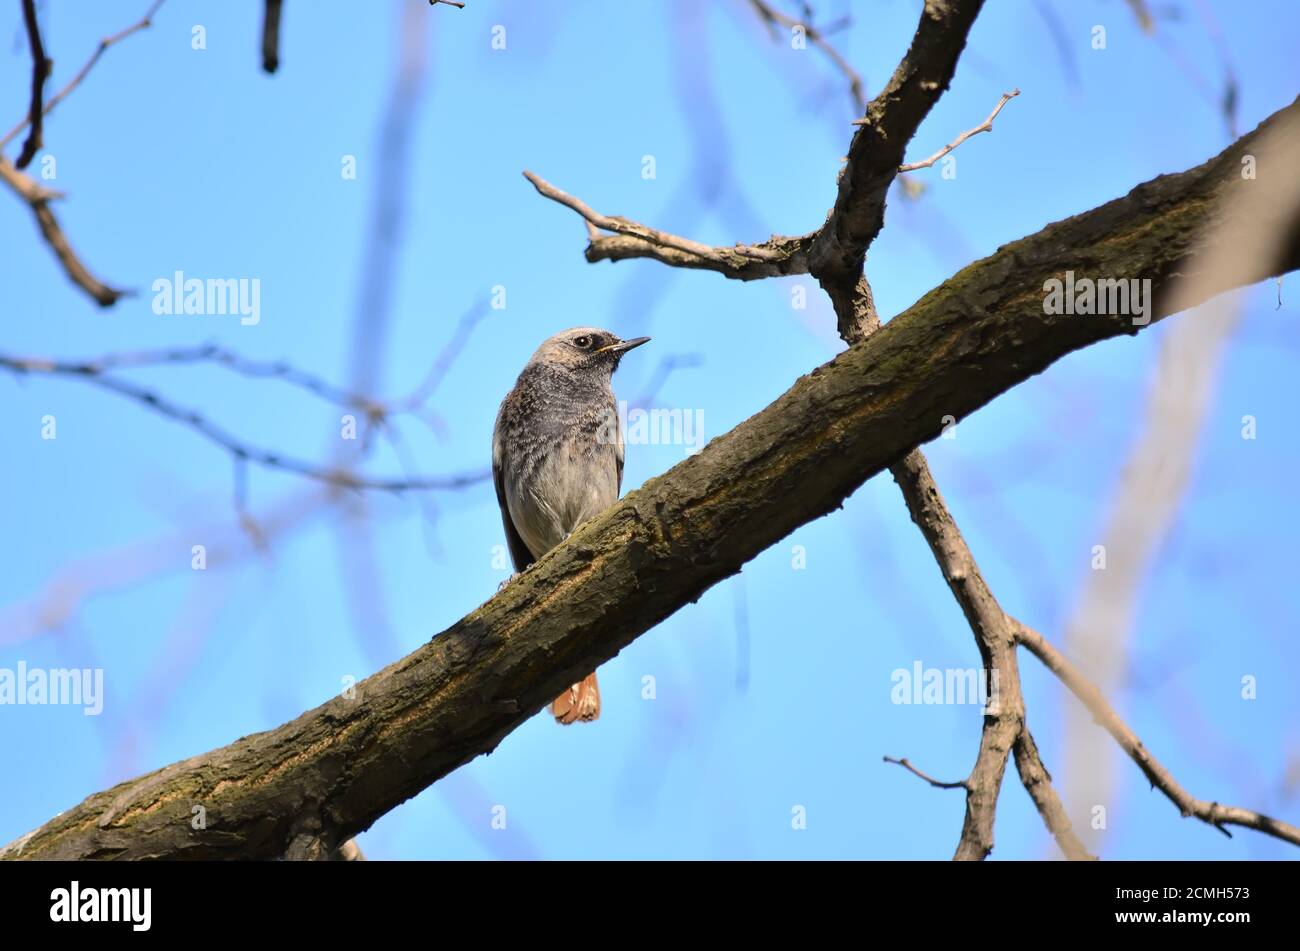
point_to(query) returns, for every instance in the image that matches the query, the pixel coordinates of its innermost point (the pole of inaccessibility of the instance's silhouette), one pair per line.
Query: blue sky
(774, 690)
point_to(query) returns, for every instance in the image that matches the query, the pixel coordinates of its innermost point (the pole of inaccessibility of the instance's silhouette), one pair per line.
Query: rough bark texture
(333, 771)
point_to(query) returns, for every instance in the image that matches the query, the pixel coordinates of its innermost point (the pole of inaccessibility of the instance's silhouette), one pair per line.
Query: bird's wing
(519, 552)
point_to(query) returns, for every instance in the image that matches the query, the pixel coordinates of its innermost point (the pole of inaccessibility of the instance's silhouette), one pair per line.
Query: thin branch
(451, 3)
(38, 199)
(142, 24)
(773, 17)
(985, 126)
(271, 35)
(238, 449)
(635, 230)
(220, 356)
(1213, 813)
(936, 783)
(41, 66)
(777, 256)
(1038, 783)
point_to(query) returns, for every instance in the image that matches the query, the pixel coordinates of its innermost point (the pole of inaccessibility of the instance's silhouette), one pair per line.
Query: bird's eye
(582, 342)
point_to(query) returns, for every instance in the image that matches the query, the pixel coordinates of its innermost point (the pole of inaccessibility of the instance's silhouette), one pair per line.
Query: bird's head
(585, 349)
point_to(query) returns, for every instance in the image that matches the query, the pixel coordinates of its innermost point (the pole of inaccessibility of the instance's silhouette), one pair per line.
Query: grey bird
(557, 459)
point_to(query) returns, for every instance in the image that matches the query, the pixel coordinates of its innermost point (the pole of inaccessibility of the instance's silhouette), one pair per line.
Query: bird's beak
(624, 345)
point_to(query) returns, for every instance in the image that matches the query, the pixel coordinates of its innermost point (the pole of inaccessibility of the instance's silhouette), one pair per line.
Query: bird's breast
(559, 488)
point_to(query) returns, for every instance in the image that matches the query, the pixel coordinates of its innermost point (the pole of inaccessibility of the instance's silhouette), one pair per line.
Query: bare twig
(1038, 783)
(633, 229)
(341, 478)
(38, 198)
(777, 256)
(212, 353)
(985, 126)
(40, 73)
(936, 783)
(773, 17)
(451, 3)
(271, 35)
(142, 24)
(1213, 813)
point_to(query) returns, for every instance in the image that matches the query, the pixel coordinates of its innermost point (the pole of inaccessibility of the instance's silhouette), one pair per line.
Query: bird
(557, 459)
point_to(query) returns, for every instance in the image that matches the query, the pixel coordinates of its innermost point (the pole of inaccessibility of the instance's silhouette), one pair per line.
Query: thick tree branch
(1214, 813)
(336, 769)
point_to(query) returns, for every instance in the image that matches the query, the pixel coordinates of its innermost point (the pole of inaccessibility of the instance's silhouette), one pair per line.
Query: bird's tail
(579, 702)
